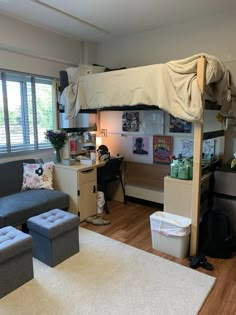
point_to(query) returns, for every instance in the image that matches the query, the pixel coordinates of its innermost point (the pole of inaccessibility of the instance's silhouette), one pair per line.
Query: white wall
(34, 50)
(213, 36)
(210, 35)
(121, 142)
(153, 122)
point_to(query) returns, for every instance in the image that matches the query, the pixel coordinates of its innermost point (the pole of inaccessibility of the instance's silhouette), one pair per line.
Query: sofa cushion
(17, 208)
(37, 176)
(12, 176)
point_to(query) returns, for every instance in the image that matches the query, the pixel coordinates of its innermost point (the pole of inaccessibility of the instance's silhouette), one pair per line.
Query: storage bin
(55, 236)
(170, 233)
(16, 264)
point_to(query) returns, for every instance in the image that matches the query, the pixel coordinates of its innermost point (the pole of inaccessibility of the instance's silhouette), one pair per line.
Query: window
(26, 112)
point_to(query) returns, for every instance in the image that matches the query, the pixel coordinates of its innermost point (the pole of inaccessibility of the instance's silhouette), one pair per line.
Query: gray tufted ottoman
(55, 236)
(16, 264)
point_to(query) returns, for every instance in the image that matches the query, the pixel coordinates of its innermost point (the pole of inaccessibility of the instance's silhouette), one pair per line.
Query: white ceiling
(97, 20)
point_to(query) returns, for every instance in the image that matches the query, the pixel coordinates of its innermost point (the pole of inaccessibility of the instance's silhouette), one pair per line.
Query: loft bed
(179, 87)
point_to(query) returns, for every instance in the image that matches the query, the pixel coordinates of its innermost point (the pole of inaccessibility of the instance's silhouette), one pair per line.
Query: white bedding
(171, 86)
(150, 85)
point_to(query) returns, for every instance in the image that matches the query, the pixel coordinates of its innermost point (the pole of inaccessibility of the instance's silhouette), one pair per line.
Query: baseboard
(144, 193)
(148, 203)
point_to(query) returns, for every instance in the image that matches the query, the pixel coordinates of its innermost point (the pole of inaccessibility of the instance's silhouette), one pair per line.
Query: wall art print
(130, 121)
(140, 145)
(185, 147)
(179, 125)
(162, 149)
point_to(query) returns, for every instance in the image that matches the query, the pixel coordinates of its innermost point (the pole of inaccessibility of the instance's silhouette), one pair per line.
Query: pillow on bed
(109, 69)
(75, 72)
(37, 176)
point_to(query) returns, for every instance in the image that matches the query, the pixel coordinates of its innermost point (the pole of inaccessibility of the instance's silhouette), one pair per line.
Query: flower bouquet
(57, 139)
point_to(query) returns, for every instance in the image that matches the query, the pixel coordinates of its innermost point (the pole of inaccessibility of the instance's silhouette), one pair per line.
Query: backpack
(219, 238)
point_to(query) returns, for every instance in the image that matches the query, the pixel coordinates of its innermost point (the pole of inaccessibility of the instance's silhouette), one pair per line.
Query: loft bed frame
(198, 134)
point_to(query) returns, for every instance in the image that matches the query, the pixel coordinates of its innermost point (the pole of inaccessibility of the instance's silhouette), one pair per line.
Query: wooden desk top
(82, 167)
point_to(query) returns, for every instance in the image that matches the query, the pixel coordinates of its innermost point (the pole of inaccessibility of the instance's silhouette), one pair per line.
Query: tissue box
(87, 162)
(68, 162)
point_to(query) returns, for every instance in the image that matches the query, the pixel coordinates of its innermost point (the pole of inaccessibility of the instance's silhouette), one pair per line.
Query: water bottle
(189, 167)
(174, 167)
(183, 172)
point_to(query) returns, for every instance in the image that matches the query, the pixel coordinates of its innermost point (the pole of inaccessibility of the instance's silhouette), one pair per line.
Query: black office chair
(110, 172)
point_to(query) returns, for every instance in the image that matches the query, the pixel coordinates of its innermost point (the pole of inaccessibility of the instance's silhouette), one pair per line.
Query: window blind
(26, 112)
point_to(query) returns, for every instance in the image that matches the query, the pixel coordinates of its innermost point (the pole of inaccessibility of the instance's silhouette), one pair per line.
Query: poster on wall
(208, 148)
(185, 147)
(162, 149)
(179, 125)
(130, 121)
(140, 145)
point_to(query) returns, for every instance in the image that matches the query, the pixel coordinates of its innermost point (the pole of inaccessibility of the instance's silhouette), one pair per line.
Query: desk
(178, 195)
(79, 181)
(145, 181)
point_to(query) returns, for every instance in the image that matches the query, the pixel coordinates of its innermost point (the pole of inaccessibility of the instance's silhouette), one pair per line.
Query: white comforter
(171, 86)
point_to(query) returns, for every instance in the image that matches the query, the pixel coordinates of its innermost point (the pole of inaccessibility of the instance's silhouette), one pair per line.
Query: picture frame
(162, 149)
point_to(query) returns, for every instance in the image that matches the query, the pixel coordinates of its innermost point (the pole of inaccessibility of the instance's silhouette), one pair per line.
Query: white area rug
(108, 277)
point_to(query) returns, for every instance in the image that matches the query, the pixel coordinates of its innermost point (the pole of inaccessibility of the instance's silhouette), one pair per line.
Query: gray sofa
(17, 206)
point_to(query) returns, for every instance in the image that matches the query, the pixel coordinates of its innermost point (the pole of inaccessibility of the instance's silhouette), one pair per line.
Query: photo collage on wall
(162, 145)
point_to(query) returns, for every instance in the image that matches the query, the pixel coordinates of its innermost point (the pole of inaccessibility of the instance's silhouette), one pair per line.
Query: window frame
(25, 147)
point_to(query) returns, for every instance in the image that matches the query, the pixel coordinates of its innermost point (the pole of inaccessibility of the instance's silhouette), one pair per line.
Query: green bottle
(183, 171)
(174, 167)
(189, 167)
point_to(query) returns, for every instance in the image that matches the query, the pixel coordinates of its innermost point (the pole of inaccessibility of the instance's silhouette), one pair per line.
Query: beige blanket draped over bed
(171, 86)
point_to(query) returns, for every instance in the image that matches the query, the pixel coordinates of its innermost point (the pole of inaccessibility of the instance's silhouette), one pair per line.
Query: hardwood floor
(130, 225)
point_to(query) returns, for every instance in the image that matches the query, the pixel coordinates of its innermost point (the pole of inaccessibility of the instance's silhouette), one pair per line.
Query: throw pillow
(37, 176)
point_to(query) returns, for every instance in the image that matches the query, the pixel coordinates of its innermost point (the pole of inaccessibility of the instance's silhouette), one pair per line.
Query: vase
(57, 156)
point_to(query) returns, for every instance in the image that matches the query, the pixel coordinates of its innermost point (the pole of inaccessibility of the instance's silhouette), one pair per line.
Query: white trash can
(100, 202)
(170, 233)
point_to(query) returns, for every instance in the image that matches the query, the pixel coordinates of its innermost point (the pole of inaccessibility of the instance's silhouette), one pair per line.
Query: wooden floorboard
(130, 225)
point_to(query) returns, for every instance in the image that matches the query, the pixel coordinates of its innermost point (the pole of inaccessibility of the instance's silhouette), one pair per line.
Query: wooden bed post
(197, 160)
